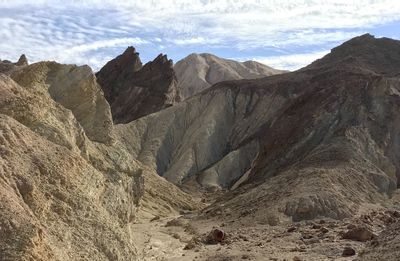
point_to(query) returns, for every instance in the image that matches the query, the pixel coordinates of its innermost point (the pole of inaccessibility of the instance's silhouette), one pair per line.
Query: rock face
(198, 72)
(76, 89)
(333, 124)
(134, 91)
(66, 192)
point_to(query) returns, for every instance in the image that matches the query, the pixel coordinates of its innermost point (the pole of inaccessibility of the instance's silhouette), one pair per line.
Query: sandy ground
(320, 239)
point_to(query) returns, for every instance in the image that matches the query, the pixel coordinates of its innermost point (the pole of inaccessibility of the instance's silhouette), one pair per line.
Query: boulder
(359, 233)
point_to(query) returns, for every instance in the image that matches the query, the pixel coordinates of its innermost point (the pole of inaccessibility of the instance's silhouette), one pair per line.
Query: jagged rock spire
(133, 90)
(22, 61)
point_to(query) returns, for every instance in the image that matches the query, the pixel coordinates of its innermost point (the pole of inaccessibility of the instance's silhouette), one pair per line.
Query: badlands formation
(124, 165)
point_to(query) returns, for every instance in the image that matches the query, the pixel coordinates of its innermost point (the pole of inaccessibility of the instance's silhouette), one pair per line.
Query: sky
(282, 34)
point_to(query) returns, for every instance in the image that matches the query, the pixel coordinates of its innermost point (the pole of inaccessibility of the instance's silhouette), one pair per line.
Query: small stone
(348, 251)
(324, 230)
(191, 244)
(312, 241)
(395, 213)
(155, 218)
(243, 237)
(351, 226)
(296, 258)
(316, 226)
(291, 229)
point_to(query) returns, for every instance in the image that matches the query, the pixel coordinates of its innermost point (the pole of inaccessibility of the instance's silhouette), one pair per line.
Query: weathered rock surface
(332, 124)
(56, 206)
(76, 89)
(198, 72)
(134, 91)
(63, 196)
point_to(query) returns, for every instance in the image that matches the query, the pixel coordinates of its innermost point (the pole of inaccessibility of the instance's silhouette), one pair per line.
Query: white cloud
(256, 21)
(107, 43)
(82, 31)
(194, 40)
(291, 61)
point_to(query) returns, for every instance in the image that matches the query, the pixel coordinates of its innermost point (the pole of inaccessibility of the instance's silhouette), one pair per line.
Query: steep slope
(198, 72)
(332, 124)
(65, 193)
(76, 89)
(134, 91)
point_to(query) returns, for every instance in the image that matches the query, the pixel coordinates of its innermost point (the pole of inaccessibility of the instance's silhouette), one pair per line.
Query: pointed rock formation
(134, 91)
(22, 61)
(198, 72)
(113, 76)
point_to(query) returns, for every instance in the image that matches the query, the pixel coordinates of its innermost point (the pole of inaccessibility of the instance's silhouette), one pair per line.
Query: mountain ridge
(197, 72)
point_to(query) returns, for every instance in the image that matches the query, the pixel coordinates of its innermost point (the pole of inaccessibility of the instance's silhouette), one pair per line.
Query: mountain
(198, 72)
(298, 166)
(333, 124)
(133, 90)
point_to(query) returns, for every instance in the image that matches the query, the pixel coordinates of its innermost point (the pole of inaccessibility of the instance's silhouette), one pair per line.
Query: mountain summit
(197, 72)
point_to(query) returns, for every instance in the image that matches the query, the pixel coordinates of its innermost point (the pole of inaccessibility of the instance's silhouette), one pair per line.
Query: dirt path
(156, 241)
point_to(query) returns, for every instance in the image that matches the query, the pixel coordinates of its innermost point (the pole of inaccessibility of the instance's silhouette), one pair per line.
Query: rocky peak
(114, 72)
(134, 90)
(197, 72)
(365, 52)
(22, 61)
(7, 67)
(162, 58)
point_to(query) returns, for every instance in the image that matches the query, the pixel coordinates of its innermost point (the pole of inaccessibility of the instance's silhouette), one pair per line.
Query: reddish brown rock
(215, 236)
(133, 90)
(348, 251)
